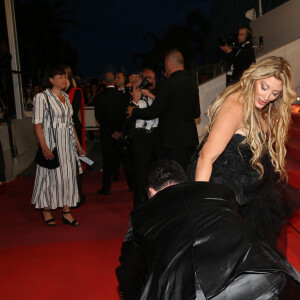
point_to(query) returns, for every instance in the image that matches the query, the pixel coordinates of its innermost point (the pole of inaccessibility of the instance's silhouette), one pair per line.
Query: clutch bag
(41, 160)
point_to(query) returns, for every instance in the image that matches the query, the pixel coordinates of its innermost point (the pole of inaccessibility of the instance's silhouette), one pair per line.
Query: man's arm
(158, 106)
(132, 270)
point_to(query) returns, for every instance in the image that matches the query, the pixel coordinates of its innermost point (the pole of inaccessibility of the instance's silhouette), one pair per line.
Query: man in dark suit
(189, 242)
(243, 58)
(110, 109)
(177, 106)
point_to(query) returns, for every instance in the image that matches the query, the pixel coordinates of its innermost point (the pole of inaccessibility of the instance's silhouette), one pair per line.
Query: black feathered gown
(260, 203)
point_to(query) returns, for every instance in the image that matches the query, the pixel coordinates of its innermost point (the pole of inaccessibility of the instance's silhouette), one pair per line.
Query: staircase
(293, 152)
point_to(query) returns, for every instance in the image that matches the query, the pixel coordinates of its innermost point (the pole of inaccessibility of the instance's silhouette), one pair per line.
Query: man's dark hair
(249, 37)
(164, 172)
(145, 69)
(124, 75)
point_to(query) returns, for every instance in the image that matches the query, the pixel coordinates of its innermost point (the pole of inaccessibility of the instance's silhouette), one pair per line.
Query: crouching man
(189, 242)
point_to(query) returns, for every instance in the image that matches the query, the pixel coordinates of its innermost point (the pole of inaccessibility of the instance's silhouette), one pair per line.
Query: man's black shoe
(103, 192)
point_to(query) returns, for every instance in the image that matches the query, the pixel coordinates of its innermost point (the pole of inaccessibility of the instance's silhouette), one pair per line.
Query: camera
(145, 84)
(228, 39)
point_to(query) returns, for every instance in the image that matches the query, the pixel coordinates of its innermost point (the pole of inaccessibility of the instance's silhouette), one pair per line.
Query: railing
(207, 72)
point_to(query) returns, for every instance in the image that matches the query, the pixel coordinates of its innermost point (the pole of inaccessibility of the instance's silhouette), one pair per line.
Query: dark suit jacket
(242, 61)
(187, 229)
(110, 107)
(177, 105)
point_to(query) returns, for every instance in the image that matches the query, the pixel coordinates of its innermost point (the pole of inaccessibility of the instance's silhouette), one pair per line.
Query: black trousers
(144, 150)
(126, 160)
(110, 154)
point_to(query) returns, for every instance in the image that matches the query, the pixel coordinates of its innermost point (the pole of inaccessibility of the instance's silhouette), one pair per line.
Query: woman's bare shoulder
(233, 105)
(235, 101)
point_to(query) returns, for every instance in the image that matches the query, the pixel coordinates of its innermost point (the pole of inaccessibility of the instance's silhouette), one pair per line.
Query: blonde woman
(245, 142)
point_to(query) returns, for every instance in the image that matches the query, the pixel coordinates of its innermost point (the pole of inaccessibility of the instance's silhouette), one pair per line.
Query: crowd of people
(204, 239)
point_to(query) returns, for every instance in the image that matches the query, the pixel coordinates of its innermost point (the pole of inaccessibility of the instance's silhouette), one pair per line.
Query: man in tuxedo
(144, 148)
(177, 106)
(110, 109)
(243, 58)
(188, 241)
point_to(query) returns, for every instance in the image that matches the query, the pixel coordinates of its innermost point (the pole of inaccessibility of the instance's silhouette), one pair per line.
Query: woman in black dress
(245, 140)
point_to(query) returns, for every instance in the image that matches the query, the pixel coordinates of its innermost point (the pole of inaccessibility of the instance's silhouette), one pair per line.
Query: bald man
(110, 109)
(177, 106)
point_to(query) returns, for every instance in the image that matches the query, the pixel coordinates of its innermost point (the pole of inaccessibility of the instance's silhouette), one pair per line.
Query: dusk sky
(108, 33)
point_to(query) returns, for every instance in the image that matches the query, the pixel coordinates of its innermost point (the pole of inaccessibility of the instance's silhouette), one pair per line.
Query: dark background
(96, 36)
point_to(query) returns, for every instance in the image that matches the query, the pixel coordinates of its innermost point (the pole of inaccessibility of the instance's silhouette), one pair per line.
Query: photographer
(243, 58)
(177, 106)
(144, 137)
(227, 45)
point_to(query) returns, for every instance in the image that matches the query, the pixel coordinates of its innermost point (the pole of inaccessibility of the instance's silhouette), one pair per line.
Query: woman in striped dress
(55, 188)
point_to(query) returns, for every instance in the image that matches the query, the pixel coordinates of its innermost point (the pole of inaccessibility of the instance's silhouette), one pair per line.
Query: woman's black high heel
(48, 221)
(65, 221)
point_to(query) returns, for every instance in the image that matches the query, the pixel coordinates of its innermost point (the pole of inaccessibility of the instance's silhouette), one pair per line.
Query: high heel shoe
(47, 221)
(65, 221)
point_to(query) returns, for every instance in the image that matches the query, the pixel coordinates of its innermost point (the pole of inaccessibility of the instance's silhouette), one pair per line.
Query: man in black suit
(243, 58)
(110, 109)
(188, 241)
(177, 106)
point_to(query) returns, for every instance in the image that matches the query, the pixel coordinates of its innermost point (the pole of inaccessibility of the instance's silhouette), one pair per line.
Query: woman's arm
(40, 136)
(80, 150)
(228, 120)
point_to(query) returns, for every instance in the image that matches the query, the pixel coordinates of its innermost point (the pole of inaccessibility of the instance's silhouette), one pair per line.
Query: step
(294, 133)
(293, 169)
(296, 119)
(293, 149)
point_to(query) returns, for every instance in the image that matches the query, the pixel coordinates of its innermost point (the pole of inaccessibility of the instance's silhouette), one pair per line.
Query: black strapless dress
(261, 205)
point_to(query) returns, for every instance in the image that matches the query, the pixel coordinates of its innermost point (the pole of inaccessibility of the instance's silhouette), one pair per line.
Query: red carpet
(63, 262)
(39, 262)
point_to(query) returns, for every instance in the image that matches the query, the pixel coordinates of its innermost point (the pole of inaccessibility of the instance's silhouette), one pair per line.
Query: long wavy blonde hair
(276, 113)
(70, 76)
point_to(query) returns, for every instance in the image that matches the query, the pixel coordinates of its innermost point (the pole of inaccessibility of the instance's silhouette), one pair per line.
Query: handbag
(40, 159)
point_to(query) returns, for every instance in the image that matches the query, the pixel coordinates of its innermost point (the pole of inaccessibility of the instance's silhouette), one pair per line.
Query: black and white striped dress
(56, 187)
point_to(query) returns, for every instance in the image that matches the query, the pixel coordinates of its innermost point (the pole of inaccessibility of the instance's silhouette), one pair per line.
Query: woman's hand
(40, 136)
(47, 152)
(81, 151)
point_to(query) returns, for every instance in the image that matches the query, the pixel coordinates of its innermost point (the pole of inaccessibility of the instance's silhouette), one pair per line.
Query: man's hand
(129, 111)
(148, 94)
(136, 94)
(116, 135)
